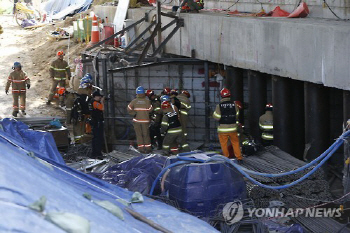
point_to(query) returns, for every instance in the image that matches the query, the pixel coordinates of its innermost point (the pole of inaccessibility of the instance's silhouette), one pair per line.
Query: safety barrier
(321, 159)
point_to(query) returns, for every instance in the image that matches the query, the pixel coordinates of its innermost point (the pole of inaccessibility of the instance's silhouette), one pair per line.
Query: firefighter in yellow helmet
(59, 72)
(266, 125)
(19, 81)
(227, 114)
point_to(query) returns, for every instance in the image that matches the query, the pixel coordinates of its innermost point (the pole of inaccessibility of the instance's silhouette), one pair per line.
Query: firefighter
(266, 125)
(156, 118)
(81, 110)
(171, 127)
(140, 109)
(166, 91)
(191, 6)
(20, 81)
(97, 124)
(70, 96)
(184, 108)
(227, 114)
(174, 100)
(59, 72)
(78, 74)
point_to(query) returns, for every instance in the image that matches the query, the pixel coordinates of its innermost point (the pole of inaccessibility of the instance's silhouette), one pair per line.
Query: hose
(330, 151)
(162, 172)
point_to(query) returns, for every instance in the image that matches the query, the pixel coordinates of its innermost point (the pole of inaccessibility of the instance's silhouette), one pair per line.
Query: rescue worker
(166, 91)
(191, 6)
(227, 114)
(266, 125)
(97, 124)
(156, 118)
(78, 74)
(174, 100)
(171, 127)
(59, 72)
(70, 96)
(81, 110)
(184, 108)
(140, 108)
(19, 81)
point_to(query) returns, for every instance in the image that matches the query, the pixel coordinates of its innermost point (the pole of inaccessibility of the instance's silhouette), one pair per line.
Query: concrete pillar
(234, 82)
(346, 105)
(257, 102)
(317, 119)
(282, 113)
(298, 129)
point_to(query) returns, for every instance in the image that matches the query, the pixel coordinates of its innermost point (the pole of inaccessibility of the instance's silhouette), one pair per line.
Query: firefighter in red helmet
(227, 114)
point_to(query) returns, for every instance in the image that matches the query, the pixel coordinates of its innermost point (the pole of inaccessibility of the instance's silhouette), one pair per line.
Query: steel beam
(171, 34)
(317, 119)
(207, 102)
(282, 113)
(151, 38)
(234, 82)
(298, 118)
(140, 36)
(257, 102)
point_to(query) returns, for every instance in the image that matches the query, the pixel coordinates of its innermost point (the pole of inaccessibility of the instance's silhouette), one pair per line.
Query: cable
(233, 5)
(324, 1)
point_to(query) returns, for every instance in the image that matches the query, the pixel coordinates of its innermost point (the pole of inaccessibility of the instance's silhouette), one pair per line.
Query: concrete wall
(316, 7)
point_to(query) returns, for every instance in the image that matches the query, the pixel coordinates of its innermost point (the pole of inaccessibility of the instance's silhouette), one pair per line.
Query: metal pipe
(298, 128)
(317, 119)
(207, 101)
(282, 113)
(234, 82)
(257, 101)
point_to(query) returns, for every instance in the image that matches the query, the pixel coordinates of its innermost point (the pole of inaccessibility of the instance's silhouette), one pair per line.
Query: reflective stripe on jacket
(59, 70)
(226, 128)
(18, 79)
(140, 108)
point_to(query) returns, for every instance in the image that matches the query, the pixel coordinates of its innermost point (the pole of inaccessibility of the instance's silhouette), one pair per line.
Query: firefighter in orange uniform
(227, 114)
(19, 80)
(141, 108)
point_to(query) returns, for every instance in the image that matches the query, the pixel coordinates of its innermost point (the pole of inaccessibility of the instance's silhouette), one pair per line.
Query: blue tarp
(136, 174)
(24, 179)
(58, 9)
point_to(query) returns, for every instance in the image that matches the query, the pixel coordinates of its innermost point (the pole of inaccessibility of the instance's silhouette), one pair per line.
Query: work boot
(239, 161)
(24, 112)
(48, 102)
(14, 114)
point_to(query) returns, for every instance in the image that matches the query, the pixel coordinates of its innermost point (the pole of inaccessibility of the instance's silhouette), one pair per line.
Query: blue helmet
(85, 81)
(17, 65)
(140, 90)
(164, 98)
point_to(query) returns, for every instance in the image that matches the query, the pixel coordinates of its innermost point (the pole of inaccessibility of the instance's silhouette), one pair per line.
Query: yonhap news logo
(233, 212)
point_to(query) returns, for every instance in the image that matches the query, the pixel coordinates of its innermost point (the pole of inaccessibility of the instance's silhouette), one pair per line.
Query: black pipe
(234, 82)
(207, 100)
(257, 101)
(346, 106)
(298, 128)
(317, 119)
(282, 113)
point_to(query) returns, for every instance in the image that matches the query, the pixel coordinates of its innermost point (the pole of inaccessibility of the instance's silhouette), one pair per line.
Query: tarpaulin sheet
(39, 142)
(58, 9)
(24, 179)
(136, 174)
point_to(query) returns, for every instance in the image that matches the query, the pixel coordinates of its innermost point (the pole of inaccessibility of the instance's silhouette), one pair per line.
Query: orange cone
(95, 32)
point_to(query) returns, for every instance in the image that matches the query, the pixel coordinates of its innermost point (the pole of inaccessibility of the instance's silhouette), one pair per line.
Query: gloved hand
(28, 86)
(7, 92)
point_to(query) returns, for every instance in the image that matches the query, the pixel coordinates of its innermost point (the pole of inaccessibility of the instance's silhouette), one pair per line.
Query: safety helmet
(149, 92)
(268, 107)
(16, 65)
(61, 90)
(166, 91)
(165, 105)
(239, 104)
(85, 81)
(225, 93)
(164, 98)
(96, 93)
(174, 92)
(186, 93)
(140, 90)
(60, 53)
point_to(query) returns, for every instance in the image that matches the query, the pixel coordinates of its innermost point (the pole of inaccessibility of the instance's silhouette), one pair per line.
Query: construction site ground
(35, 51)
